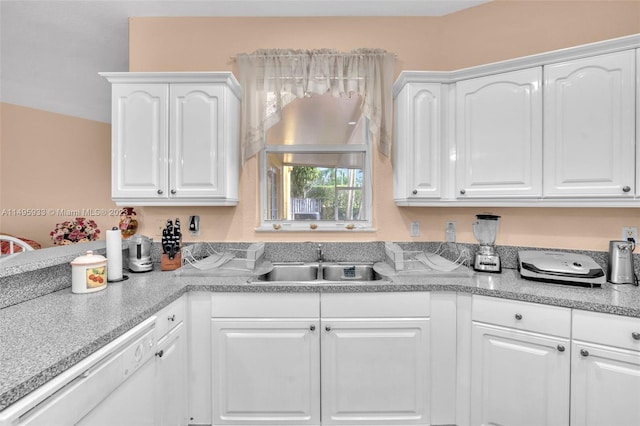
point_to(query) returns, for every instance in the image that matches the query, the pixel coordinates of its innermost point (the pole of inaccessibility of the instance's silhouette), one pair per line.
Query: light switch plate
(415, 229)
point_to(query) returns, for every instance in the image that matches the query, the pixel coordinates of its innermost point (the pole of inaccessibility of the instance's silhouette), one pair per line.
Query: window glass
(315, 166)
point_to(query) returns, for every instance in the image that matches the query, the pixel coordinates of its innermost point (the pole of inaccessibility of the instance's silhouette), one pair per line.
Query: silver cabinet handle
(173, 191)
(560, 348)
(159, 191)
(518, 317)
(414, 192)
(584, 352)
(463, 191)
(635, 335)
(626, 188)
(328, 328)
(312, 327)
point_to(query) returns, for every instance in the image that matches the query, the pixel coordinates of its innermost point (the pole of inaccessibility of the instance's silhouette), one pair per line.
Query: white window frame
(320, 225)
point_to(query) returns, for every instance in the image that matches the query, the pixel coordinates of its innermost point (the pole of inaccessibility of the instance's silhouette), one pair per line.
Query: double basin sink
(319, 272)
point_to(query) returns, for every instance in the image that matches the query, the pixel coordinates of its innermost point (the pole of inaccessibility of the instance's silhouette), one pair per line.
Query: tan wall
(494, 31)
(52, 162)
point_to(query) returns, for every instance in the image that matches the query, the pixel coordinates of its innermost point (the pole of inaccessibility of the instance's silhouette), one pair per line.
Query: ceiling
(52, 50)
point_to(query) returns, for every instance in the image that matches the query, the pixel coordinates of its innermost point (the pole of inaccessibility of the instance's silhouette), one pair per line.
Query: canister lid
(88, 259)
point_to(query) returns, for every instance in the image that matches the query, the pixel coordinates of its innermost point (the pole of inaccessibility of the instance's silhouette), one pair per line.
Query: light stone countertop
(42, 337)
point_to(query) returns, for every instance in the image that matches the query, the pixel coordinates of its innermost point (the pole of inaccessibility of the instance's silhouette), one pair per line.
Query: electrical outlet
(450, 232)
(630, 232)
(415, 229)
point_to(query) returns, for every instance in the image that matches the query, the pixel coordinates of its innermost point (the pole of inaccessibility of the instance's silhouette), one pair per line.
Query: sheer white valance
(271, 78)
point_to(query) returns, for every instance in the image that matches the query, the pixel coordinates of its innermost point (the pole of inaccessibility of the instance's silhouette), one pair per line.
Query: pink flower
(78, 230)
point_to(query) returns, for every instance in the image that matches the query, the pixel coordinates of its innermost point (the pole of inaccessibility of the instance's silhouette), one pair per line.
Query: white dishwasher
(114, 386)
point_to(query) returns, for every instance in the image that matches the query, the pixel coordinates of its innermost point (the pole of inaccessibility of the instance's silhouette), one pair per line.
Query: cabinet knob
(635, 335)
(584, 352)
(159, 191)
(626, 188)
(560, 348)
(173, 191)
(160, 353)
(328, 328)
(518, 317)
(172, 317)
(463, 191)
(414, 192)
(312, 327)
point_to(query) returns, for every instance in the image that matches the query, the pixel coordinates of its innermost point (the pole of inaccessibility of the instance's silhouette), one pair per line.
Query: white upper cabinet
(499, 135)
(139, 141)
(175, 138)
(556, 129)
(197, 150)
(589, 135)
(417, 150)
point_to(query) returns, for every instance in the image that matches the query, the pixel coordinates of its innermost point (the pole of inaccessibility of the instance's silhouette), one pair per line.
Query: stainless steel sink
(291, 272)
(318, 273)
(350, 272)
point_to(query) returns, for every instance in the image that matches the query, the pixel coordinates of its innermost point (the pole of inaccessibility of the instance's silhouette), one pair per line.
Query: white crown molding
(223, 77)
(540, 59)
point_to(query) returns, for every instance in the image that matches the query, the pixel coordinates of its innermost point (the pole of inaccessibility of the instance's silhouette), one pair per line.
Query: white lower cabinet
(535, 364)
(519, 378)
(520, 363)
(170, 381)
(375, 371)
(266, 371)
(276, 359)
(171, 384)
(605, 379)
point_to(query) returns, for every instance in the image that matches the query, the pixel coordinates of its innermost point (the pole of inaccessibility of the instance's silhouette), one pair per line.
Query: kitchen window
(315, 168)
(313, 116)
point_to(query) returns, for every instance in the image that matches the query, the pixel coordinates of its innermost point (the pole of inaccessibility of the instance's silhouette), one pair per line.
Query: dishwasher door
(116, 389)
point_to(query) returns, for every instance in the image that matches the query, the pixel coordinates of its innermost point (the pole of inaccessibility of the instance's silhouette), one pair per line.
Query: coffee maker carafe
(485, 229)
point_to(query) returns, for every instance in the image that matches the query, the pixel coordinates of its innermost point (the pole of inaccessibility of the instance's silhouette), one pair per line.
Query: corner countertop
(45, 336)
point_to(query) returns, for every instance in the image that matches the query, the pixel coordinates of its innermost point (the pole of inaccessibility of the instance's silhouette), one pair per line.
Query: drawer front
(607, 329)
(170, 316)
(265, 305)
(375, 305)
(534, 317)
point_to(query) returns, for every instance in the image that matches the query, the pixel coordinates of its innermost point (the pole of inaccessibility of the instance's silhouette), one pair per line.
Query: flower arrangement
(79, 230)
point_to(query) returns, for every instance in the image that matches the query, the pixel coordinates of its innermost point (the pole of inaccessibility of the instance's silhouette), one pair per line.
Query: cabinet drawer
(265, 305)
(527, 316)
(170, 316)
(607, 329)
(375, 305)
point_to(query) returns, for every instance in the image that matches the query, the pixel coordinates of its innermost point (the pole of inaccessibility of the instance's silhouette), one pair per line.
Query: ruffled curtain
(271, 78)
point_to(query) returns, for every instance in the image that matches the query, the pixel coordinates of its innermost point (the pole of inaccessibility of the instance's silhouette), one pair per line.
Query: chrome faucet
(320, 259)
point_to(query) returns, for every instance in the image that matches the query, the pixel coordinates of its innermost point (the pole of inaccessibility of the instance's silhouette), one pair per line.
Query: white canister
(88, 273)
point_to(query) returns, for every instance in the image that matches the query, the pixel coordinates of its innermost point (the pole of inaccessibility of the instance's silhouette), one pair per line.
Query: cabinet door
(589, 135)
(375, 372)
(266, 372)
(197, 148)
(171, 378)
(417, 146)
(518, 378)
(139, 141)
(499, 135)
(605, 386)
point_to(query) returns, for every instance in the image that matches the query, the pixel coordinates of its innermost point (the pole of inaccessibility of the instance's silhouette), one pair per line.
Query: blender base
(487, 263)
